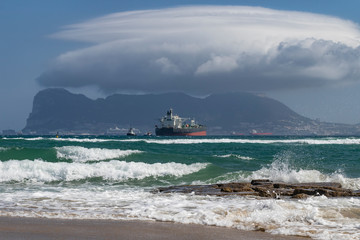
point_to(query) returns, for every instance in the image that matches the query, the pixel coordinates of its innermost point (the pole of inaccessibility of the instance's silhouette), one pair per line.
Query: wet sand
(43, 228)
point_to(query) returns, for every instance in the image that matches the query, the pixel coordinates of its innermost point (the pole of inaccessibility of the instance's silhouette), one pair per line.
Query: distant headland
(57, 110)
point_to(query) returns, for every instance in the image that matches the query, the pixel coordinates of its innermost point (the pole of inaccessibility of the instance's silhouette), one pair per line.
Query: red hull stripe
(261, 134)
(202, 133)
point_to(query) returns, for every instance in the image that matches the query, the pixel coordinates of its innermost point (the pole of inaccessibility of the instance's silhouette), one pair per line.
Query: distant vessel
(131, 132)
(173, 125)
(255, 133)
(148, 134)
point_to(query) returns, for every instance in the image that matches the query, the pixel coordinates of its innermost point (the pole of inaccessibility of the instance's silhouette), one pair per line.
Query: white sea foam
(23, 138)
(194, 141)
(316, 217)
(92, 140)
(3, 149)
(311, 141)
(234, 156)
(41, 171)
(64, 139)
(283, 172)
(82, 154)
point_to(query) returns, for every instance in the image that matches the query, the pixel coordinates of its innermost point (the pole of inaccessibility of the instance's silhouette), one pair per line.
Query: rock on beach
(266, 188)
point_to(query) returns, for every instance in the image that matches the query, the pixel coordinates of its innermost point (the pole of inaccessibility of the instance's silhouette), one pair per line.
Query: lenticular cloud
(204, 49)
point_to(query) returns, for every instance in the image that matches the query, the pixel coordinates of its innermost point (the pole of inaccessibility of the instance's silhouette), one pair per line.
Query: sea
(116, 177)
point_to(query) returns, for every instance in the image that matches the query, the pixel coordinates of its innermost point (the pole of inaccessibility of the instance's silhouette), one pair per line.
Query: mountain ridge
(58, 110)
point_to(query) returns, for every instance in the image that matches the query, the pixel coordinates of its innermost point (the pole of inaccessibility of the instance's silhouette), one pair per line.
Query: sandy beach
(42, 228)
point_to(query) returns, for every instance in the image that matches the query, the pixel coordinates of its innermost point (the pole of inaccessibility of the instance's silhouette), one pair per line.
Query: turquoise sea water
(112, 178)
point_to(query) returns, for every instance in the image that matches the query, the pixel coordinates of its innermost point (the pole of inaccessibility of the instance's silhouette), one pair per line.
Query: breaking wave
(283, 172)
(41, 171)
(234, 156)
(3, 149)
(314, 141)
(310, 141)
(63, 139)
(24, 138)
(90, 140)
(82, 154)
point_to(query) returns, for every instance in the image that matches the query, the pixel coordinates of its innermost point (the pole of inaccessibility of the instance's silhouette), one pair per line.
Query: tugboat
(256, 133)
(173, 125)
(131, 132)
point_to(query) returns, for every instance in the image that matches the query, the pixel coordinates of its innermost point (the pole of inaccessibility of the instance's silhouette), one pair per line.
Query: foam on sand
(316, 217)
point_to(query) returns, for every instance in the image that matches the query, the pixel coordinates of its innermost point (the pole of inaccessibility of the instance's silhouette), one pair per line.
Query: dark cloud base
(291, 66)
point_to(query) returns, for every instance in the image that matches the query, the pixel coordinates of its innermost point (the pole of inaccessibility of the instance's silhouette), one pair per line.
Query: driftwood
(266, 188)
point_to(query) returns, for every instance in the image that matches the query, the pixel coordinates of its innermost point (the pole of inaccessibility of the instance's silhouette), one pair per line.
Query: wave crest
(41, 171)
(3, 149)
(250, 140)
(234, 156)
(310, 141)
(82, 154)
(283, 172)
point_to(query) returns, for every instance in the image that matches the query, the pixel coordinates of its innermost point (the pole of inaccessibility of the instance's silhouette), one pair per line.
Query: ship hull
(261, 134)
(180, 131)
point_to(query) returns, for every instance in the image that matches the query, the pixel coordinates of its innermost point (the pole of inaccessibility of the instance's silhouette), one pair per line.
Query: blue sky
(29, 49)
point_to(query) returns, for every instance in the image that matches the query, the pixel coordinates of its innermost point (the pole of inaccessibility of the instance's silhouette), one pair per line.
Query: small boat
(256, 133)
(131, 132)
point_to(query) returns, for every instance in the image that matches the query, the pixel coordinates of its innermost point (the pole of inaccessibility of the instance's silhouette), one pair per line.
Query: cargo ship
(173, 125)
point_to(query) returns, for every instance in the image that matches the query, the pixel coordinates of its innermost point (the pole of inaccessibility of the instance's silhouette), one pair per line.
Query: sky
(303, 53)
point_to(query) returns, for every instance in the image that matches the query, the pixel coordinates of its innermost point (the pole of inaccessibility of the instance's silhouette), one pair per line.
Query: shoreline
(12, 228)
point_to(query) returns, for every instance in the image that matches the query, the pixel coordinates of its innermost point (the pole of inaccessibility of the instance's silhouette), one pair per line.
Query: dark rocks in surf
(266, 188)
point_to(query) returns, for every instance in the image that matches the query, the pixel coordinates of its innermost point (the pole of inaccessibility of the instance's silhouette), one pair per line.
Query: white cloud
(218, 64)
(167, 66)
(199, 48)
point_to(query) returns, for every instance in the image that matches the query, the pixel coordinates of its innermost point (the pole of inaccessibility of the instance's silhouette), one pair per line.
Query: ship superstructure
(173, 125)
(131, 132)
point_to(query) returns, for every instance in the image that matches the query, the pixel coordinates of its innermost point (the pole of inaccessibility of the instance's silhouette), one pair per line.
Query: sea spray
(285, 169)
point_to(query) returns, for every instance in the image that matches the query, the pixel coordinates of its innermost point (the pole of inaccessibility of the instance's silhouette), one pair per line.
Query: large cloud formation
(205, 49)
